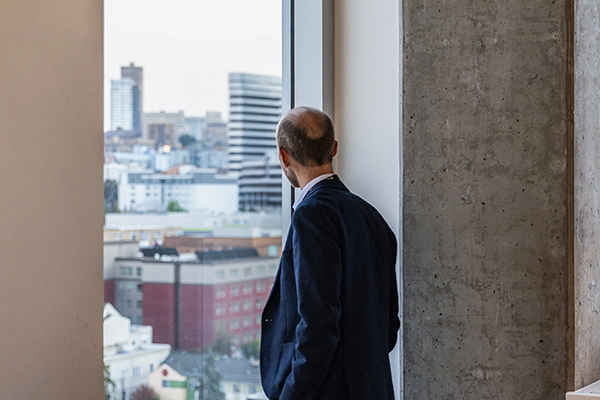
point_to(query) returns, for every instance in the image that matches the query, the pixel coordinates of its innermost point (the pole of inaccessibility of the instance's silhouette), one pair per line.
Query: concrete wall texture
(485, 199)
(586, 271)
(501, 162)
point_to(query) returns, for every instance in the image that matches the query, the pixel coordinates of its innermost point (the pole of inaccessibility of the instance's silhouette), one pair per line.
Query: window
(247, 288)
(273, 250)
(136, 372)
(212, 178)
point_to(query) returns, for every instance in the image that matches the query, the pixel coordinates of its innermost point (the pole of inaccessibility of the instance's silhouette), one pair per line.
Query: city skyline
(188, 50)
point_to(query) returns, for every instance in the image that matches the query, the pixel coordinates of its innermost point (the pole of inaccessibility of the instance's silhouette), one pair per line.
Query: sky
(188, 47)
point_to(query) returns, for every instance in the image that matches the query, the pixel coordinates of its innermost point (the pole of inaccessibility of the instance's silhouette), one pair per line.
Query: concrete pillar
(486, 221)
(586, 269)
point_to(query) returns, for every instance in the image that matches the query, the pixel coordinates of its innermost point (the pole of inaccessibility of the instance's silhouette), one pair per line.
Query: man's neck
(311, 173)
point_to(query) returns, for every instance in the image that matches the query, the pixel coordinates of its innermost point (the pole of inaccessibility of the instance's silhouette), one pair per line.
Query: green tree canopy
(210, 381)
(251, 349)
(111, 196)
(174, 206)
(109, 385)
(187, 140)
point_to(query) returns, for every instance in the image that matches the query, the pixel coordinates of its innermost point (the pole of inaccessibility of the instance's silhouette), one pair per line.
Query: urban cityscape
(192, 239)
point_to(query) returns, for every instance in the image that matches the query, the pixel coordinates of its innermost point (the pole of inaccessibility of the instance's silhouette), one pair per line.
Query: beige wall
(51, 199)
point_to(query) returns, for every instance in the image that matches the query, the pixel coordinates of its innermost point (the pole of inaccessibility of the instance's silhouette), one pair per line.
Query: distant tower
(137, 74)
(255, 109)
(121, 104)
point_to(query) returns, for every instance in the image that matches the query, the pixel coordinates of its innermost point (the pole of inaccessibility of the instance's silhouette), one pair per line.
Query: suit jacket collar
(333, 182)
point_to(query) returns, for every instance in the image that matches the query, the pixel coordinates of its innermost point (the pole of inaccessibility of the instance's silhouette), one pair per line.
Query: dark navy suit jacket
(332, 316)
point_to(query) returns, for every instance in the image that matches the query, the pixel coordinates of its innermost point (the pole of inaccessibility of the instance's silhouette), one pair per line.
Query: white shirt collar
(308, 187)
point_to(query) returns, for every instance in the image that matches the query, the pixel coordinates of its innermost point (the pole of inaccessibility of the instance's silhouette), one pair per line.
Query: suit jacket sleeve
(317, 260)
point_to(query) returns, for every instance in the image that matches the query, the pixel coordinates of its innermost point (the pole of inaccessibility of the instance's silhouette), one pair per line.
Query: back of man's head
(307, 135)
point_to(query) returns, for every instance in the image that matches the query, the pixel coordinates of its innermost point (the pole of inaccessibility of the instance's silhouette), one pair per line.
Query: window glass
(193, 186)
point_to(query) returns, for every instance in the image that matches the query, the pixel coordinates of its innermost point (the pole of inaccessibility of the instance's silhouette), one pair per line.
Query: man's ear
(335, 149)
(283, 156)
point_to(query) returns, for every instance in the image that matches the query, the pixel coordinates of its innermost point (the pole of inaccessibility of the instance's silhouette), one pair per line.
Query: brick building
(190, 302)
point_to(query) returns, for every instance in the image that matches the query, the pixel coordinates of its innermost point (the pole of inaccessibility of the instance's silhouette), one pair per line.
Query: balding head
(307, 135)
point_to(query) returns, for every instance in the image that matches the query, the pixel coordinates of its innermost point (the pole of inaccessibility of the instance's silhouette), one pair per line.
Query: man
(332, 316)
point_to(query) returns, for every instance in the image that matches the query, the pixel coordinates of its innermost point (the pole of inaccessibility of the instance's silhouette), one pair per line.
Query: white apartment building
(121, 104)
(193, 189)
(129, 352)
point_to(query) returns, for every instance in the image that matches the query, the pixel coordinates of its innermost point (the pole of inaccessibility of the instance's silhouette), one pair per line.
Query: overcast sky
(188, 47)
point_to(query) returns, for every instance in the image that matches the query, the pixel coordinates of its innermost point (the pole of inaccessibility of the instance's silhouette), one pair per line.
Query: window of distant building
(247, 288)
(273, 250)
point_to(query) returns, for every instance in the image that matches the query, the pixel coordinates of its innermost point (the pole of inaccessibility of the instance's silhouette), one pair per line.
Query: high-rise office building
(137, 74)
(255, 109)
(121, 104)
(259, 185)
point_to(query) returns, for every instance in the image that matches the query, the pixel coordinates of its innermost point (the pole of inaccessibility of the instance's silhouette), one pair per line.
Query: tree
(109, 385)
(174, 206)
(222, 345)
(187, 140)
(251, 349)
(111, 196)
(144, 392)
(210, 381)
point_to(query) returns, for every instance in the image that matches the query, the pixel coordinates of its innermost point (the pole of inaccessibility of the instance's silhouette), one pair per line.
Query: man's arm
(318, 273)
